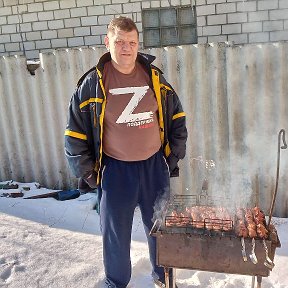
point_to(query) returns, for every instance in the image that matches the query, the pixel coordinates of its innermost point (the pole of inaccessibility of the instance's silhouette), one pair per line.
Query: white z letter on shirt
(127, 114)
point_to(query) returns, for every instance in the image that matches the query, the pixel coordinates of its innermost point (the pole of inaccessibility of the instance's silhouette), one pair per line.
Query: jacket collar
(145, 59)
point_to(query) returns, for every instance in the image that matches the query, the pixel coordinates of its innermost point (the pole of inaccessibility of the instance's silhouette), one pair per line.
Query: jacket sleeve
(176, 132)
(77, 149)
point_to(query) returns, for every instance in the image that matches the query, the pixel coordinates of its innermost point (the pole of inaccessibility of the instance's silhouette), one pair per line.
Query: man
(125, 133)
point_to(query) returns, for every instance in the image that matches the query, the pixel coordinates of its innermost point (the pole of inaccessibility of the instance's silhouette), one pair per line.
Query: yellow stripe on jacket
(91, 100)
(75, 134)
(178, 115)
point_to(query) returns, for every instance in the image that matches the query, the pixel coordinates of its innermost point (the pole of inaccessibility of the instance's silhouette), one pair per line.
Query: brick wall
(242, 21)
(43, 26)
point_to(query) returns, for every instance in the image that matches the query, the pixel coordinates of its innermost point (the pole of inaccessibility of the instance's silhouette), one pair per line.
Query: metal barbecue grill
(215, 247)
(212, 243)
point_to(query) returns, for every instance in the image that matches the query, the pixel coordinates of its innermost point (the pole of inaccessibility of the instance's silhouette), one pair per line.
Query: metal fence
(235, 98)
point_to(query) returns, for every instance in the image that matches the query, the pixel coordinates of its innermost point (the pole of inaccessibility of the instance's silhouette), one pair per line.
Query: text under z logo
(127, 114)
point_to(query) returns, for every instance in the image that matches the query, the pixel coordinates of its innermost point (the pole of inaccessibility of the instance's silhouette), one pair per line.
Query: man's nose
(126, 45)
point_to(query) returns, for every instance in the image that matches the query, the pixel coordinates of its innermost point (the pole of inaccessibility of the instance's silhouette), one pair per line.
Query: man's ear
(106, 41)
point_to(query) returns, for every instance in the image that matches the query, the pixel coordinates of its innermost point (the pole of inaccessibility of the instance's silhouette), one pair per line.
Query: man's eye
(120, 42)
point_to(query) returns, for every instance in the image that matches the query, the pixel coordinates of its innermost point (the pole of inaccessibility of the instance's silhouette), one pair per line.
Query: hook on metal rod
(282, 131)
(284, 146)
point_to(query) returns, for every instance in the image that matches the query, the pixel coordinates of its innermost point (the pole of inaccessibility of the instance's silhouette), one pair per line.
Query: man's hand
(91, 180)
(172, 162)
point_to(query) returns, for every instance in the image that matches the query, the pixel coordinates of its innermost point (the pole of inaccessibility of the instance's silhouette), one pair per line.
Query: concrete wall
(42, 26)
(235, 98)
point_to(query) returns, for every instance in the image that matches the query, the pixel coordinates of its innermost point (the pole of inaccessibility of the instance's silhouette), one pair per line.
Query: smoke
(247, 179)
(243, 179)
(161, 205)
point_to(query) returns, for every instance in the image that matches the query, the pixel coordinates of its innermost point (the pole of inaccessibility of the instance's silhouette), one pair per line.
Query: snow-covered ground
(50, 243)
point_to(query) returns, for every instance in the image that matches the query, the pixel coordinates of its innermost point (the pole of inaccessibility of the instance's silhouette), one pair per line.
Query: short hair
(122, 23)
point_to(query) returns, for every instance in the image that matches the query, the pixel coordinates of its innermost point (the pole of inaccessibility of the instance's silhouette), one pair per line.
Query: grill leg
(166, 271)
(259, 281)
(167, 278)
(173, 277)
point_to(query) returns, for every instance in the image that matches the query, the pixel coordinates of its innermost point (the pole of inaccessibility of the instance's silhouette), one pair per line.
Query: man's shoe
(160, 284)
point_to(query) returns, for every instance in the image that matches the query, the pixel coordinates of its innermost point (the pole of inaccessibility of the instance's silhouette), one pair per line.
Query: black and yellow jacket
(84, 131)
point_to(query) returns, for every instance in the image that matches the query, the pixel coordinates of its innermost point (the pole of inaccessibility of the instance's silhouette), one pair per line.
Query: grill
(209, 244)
(187, 237)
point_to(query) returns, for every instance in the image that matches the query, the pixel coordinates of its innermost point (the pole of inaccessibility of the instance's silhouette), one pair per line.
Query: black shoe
(162, 285)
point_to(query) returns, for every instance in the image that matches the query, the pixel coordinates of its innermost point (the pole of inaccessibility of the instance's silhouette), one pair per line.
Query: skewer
(252, 256)
(268, 262)
(243, 249)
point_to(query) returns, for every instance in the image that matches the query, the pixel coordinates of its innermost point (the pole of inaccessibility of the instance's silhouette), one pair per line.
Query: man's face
(123, 47)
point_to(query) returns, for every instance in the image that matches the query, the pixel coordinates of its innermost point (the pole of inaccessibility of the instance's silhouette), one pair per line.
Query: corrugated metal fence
(235, 97)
